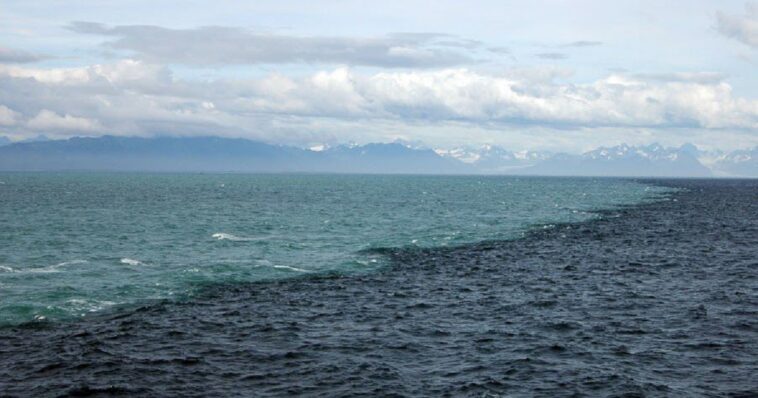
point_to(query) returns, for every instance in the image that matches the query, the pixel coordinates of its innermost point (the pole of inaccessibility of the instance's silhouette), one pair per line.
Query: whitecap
(233, 238)
(89, 305)
(72, 262)
(40, 270)
(131, 261)
(44, 270)
(54, 268)
(291, 268)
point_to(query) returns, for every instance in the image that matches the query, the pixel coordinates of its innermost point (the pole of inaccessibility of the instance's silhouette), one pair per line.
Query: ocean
(336, 285)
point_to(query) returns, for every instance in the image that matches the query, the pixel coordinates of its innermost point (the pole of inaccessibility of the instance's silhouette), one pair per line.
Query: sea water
(74, 244)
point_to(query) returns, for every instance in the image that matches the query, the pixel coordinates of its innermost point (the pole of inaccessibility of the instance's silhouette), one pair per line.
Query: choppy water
(73, 244)
(658, 298)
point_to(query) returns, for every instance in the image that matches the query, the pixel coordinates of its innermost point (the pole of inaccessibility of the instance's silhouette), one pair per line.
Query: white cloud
(57, 75)
(50, 121)
(124, 71)
(135, 98)
(460, 94)
(8, 116)
(740, 27)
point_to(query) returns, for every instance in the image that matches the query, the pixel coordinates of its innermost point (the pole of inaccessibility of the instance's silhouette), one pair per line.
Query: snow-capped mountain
(652, 152)
(213, 154)
(225, 154)
(494, 159)
(624, 160)
(739, 163)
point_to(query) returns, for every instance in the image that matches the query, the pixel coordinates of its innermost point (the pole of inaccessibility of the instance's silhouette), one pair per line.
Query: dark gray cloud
(12, 56)
(553, 56)
(218, 45)
(743, 28)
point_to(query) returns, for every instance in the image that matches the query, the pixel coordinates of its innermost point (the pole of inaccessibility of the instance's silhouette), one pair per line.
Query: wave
(366, 262)
(131, 261)
(233, 238)
(89, 305)
(65, 263)
(42, 270)
(290, 268)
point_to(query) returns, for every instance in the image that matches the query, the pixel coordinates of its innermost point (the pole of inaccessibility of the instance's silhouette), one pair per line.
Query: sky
(539, 75)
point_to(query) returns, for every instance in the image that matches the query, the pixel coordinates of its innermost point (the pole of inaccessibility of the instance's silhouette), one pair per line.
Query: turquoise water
(73, 244)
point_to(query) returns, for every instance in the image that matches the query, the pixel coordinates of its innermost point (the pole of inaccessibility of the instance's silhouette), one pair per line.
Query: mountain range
(217, 154)
(652, 160)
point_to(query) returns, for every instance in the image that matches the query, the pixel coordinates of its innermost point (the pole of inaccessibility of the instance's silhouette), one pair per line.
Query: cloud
(583, 43)
(135, 98)
(553, 56)
(696, 77)
(8, 116)
(743, 27)
(500, 50)
(128, 70)
(50, 121)
(217, 45)
(12, 56)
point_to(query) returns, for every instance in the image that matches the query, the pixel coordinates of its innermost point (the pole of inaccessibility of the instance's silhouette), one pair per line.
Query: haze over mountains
(216, 154)
(622, 160)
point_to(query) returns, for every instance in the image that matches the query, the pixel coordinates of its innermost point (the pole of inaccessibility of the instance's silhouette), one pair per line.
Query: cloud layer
(50, 121)
(13, 56)
(134, 97)
(8, 117)
(216, 45)
(740, 27)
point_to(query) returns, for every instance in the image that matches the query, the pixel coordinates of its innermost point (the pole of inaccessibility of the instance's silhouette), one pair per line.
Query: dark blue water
(75, 244)
(652, 299)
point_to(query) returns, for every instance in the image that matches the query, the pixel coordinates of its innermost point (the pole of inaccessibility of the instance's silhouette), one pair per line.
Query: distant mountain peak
(653, 152)
(410, 144)
(493, 159)
(213, 153)
(318, 147)
(739, 163)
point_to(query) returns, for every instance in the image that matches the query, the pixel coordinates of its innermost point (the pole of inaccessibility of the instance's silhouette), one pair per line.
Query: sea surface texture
(235, 285)
(74, 244)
